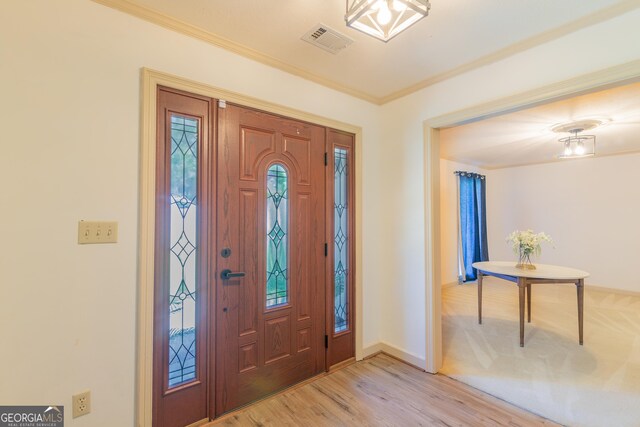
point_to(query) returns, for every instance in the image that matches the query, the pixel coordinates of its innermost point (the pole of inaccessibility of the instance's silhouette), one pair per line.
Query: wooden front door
(270, 305)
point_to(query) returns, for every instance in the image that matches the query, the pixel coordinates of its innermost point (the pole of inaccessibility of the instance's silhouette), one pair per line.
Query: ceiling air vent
(327, 39)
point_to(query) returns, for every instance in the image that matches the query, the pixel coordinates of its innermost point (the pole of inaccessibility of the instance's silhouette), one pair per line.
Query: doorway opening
(506, 216)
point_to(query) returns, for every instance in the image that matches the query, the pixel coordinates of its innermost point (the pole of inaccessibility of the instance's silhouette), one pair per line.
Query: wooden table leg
(479, 297)
(521, 288)
(580, 289)
(529, 303)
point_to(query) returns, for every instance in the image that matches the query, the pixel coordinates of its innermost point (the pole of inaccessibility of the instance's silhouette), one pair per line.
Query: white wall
(589, 207)
(608, 44)
(70, 115)
(449, 218)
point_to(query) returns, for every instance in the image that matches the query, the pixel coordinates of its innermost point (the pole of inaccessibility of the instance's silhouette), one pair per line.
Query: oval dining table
(525, 278)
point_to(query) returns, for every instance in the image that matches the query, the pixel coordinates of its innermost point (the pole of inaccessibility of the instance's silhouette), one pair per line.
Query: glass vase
(524, 261)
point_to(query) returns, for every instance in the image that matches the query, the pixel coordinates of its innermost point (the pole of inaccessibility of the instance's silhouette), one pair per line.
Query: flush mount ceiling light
(577, 145)
(385, 19)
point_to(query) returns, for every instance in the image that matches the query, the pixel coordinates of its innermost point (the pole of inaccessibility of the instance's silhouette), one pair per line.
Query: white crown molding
(182, 27)
(545, 37)
(171, 23)
(601, 79)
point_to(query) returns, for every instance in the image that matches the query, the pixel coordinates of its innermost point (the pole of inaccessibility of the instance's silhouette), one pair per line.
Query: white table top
(542, 271)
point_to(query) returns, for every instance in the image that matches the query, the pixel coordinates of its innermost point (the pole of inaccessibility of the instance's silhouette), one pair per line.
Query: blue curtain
(473, 223)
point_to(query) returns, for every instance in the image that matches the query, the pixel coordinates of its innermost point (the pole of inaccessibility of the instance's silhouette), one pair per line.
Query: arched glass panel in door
(277, 289)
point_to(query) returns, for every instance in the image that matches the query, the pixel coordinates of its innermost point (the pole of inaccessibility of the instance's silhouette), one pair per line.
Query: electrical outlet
(97, 232)
(81, 404)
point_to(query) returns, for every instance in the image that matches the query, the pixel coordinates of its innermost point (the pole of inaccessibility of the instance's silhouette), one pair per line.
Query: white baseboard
(403, 355)
(371, 349)
(391, 350)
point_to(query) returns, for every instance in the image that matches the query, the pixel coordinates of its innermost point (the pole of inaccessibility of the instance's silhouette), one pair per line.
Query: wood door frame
(599, 80)
(150, 81)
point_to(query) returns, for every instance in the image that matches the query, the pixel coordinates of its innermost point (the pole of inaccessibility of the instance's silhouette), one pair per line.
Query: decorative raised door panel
(255, 144)
(299, 152)
(277, 339)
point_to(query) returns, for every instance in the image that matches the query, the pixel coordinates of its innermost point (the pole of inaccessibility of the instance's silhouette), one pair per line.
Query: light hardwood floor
(382, 391)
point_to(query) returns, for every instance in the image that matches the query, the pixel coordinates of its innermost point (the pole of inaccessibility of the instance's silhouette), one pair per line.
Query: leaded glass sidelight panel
(341, 240)
(182, 250)
(277, 230)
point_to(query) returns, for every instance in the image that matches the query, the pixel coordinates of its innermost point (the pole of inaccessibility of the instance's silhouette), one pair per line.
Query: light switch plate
(90, 232)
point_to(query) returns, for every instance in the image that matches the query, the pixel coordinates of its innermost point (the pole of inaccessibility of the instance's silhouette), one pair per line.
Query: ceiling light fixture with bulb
(577, 145)
(385, 19)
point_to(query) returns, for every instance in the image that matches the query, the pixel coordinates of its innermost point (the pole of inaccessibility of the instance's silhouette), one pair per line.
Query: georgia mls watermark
(31, 416)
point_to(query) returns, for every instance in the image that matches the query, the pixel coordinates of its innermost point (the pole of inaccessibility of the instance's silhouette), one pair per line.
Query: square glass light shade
(577, 146)
(385, 19)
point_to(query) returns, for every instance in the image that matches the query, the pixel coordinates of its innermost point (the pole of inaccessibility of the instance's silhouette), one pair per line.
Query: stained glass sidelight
(341, 243)
(277, 227)
(183, 249)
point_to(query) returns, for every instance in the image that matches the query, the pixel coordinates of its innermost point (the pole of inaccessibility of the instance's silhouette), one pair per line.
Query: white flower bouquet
(525, 244)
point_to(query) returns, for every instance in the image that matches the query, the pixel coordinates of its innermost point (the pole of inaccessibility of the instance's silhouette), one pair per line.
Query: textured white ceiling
(525, 137)
(456, 33)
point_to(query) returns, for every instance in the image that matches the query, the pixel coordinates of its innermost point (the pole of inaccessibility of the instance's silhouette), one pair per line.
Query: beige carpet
(597, 384)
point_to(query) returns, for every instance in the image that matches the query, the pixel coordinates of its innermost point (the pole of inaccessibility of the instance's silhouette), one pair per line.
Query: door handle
(227, 274)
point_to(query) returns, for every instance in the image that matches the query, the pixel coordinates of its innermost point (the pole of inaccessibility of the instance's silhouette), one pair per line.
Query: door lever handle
(227, 274)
